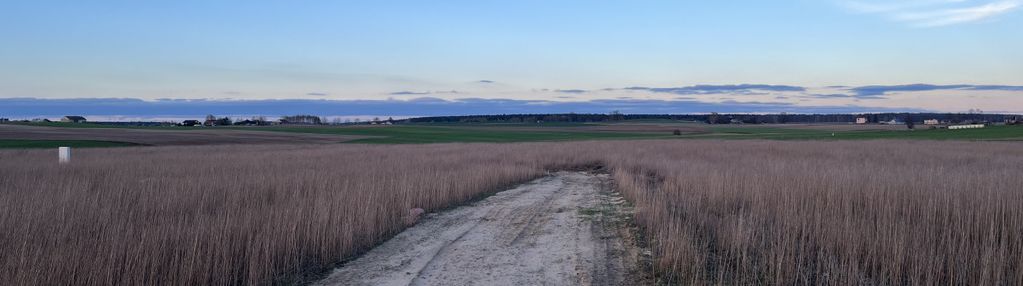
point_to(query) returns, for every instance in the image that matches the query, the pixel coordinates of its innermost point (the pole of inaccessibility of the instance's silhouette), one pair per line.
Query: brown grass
(223, 215)
(750, 212)
(841, 213)
(175, 136)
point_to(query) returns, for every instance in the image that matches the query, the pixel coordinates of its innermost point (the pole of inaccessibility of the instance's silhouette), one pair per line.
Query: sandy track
(184, 136)
(564, 229)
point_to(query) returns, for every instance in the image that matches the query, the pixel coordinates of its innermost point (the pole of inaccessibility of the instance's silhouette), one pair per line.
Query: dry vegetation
(842, 213)
(223, 215)
(185, 136)
(750, 212)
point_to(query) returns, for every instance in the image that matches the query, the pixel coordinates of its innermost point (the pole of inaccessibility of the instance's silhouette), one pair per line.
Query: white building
(968, 126)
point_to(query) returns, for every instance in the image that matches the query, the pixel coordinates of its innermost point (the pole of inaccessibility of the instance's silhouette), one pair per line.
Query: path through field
(564, 229)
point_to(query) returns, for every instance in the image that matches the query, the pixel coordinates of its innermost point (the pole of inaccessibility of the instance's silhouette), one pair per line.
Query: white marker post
(64, 154)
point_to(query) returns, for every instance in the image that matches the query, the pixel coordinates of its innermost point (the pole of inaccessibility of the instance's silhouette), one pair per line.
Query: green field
(768, 133)
(89, 125)
(444, 134)
(495, 133)
(504, 133)
(27, 144)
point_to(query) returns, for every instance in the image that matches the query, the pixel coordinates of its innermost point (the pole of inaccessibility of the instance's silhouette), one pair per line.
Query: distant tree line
(302, 119)
(715, 118)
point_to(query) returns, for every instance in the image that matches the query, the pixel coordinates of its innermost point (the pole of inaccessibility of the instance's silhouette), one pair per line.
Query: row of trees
(303, 119)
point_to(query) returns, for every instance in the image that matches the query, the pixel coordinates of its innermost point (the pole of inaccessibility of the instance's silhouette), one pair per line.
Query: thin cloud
(842, 95)
(734, 102)
(424, 92)
(935, 13)
(960, 15)
(832, 95)
(410, 93)
(317, 94)
(880, 90)
(722, 89)
(485, 81)
(573, 91)
(427, 100)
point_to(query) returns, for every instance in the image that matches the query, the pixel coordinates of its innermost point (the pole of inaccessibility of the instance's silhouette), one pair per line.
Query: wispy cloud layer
(742, 98)
(570, 90)
(423, 92)
(880, 90)
(935, 13)
(410, 93)
(718, 89)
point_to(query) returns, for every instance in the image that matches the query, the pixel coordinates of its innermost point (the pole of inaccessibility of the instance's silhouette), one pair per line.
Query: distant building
(931, 122)
(73, 119)
(251, 122)
(967, 126)
(190, 123)
(892, 122)
(861, 120)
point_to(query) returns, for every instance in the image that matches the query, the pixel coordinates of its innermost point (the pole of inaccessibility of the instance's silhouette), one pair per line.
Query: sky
(476, 56)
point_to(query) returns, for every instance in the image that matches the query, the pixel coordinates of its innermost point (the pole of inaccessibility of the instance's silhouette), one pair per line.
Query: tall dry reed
(224, 215)
(750, 212)
(837, 213)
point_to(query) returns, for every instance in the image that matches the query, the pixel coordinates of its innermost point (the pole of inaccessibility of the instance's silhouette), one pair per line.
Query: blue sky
(559, 51)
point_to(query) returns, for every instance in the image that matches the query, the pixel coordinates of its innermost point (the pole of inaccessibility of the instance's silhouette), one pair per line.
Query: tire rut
(552, 231)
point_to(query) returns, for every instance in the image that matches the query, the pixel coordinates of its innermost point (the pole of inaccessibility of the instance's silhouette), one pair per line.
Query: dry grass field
(716, 212)
(180, 136)
(841, 213)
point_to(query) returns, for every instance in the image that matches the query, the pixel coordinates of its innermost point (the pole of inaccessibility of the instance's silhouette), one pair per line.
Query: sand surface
(565, 229)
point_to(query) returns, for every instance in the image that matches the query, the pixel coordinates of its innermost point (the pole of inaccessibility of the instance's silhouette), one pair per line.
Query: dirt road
(564, 229)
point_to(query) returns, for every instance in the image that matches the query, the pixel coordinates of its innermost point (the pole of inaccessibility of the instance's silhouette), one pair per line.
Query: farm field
(711, 211)
(1014, 133)
(424, 133)
(487, 133)
(24, 144)
(416, 143)
(448, 134)
(26, 136)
